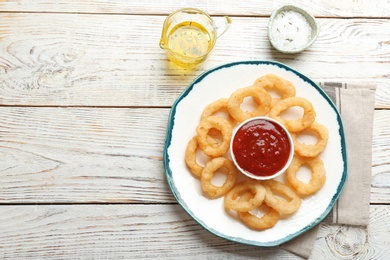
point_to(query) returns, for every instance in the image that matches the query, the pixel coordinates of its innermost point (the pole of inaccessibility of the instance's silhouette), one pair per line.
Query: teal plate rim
(182, 203)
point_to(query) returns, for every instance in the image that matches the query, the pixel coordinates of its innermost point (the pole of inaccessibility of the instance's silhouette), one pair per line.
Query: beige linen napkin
(356, 106)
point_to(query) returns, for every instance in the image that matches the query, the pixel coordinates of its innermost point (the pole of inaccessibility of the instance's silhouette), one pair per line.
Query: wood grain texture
(114, 232)
(85, 93)
(114, 60)
(84, 155)
(354, 242)
(328, 8)
(380, 185)
(161, 231)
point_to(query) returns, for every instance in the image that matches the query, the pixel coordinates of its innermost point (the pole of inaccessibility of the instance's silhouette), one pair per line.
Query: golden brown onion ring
(208, 172)
(273, 82)
(190, 158)
(318, 176)
(217, 106)
(232, 201)
(203, 139)
(261, 97)
(268, 220)
(294, 125)
(286, 201)
(309, 150)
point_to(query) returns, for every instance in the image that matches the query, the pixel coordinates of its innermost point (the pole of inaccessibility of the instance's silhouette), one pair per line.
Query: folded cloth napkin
(355, 103)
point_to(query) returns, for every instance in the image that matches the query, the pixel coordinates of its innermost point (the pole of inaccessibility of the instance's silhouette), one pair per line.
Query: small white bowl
(287, 37)
(290, 156)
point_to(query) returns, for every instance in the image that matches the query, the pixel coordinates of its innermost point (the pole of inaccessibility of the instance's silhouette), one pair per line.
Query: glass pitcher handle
(223, 26)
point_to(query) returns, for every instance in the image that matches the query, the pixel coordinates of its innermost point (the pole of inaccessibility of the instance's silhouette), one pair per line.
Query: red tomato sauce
(261, 147)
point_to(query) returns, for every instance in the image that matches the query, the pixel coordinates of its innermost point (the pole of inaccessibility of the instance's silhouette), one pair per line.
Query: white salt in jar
(292, 29)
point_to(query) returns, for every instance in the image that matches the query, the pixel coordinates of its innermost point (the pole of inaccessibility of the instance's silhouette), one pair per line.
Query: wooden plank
(99, 60)
(380, 184)
(361, 8)
(84, 155)
(159, 231)
(353, 242)
(112, 231)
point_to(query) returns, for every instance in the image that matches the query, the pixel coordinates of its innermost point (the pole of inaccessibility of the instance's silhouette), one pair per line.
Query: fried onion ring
(261, 97)
(232, 201)
(216, 106)
(294, 125)
(190, 158)
(208, 172)
(286, 202)
(309, 150)
(214, 122)
(273, 82)
(318, 176)
(268, 220)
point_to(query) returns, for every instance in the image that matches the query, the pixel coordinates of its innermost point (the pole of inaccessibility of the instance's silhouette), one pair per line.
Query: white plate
(184, 117)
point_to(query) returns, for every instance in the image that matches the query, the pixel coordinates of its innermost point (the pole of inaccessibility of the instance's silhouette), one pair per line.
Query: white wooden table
(85, 93)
